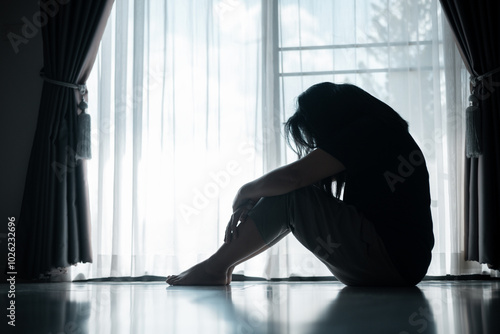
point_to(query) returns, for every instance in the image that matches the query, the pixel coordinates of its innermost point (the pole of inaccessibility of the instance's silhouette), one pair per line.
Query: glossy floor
(255, 307)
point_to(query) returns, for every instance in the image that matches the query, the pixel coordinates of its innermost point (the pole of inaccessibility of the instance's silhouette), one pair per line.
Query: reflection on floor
(255, 307)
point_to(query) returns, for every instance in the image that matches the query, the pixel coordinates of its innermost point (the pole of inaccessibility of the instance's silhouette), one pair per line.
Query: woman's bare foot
(218, 268)
(199, 274)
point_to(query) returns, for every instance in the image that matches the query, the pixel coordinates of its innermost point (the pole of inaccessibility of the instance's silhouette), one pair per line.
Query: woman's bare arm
(312, 168)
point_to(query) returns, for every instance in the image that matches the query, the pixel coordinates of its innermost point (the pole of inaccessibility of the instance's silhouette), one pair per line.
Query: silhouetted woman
(350, 146)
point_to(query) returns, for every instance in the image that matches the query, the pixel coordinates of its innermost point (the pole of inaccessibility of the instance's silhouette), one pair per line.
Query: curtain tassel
(83, 144)
(473, 128)
(473, 133)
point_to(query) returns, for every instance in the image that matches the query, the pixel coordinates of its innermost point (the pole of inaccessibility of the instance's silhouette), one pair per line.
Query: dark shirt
(388, 182)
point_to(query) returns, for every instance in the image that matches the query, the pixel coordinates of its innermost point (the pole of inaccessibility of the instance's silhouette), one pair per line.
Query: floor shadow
(41, 311)
(377, 310)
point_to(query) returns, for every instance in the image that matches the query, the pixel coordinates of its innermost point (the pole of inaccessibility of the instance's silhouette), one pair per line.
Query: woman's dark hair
(324, 110)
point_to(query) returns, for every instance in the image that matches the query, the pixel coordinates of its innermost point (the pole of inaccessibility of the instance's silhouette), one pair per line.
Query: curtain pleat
(475, 25)
(54, 225)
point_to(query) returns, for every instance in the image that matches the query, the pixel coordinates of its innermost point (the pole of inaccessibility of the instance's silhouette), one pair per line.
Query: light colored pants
(336, 233)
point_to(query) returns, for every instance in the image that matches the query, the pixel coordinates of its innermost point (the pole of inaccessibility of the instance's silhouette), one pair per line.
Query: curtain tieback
(473, 134)
(81, 88)
(474, 80)
(83, 144)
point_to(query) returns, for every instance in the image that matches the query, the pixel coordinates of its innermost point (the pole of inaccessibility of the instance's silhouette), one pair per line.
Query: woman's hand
(241, 206)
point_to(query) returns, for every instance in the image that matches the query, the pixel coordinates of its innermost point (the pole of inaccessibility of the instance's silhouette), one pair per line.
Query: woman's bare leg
(230, 270)
(214, 270)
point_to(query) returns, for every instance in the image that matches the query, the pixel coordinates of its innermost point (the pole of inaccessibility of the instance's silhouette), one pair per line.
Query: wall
(20, 91)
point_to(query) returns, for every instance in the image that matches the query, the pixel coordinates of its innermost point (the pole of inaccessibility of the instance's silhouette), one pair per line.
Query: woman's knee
(271, 217)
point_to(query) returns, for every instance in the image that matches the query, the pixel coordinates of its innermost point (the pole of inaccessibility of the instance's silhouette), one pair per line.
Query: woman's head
(326, 108)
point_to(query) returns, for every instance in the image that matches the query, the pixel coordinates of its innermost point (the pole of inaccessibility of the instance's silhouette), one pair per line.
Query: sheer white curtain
(176, 95)
(188, 100)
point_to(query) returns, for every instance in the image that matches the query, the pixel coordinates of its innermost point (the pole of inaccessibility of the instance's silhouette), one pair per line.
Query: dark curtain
(477, 32)
(54, 224)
